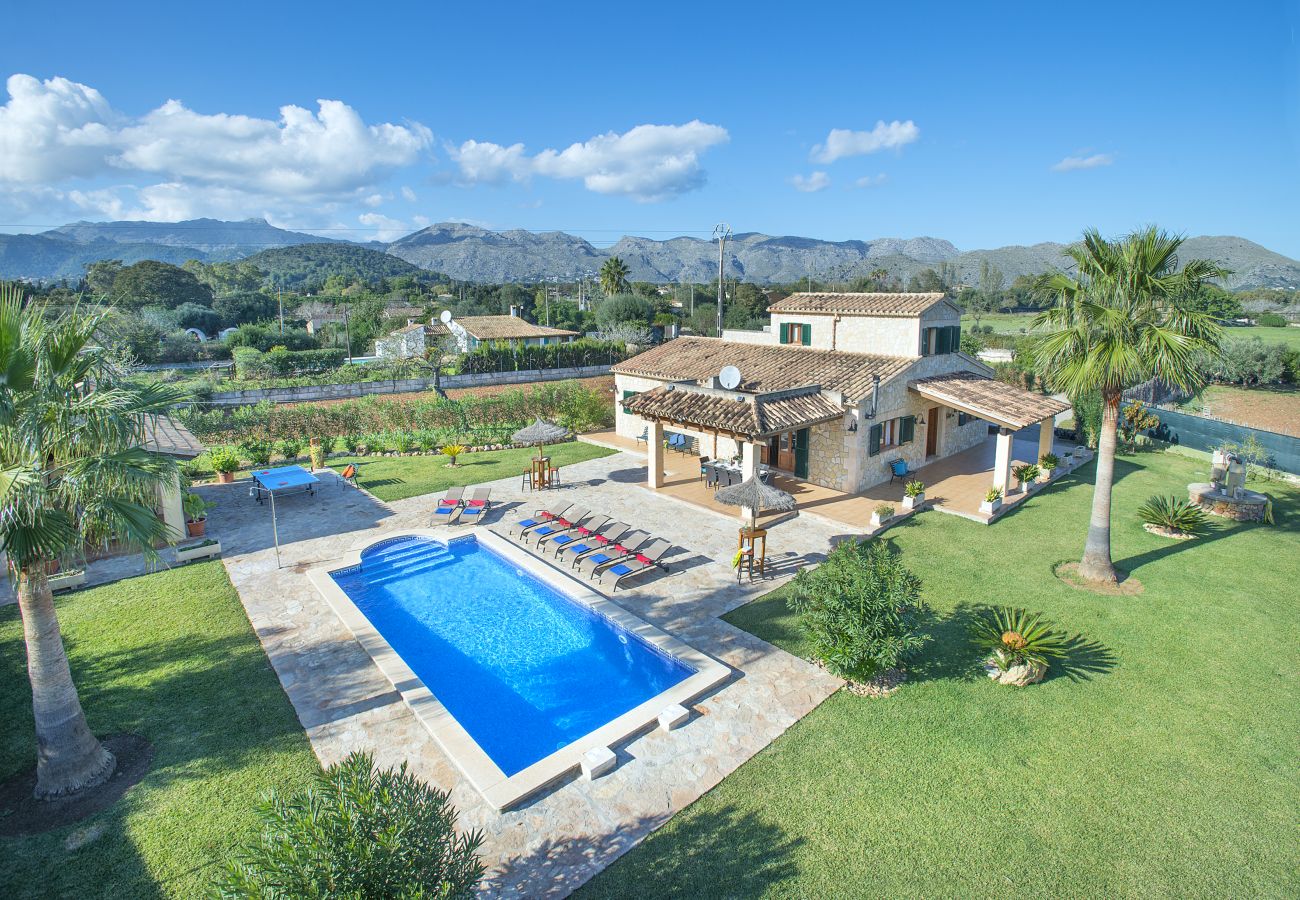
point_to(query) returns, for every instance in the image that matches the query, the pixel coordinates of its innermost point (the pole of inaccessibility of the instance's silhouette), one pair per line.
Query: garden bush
(1271, 320)
(1248, 362)
(358, 833)
(860, 610)
(505, 357)
(1178, 515)
(280, 363)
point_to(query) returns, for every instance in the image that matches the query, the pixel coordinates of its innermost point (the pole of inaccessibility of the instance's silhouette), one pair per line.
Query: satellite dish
(445, 316)
(729, 377)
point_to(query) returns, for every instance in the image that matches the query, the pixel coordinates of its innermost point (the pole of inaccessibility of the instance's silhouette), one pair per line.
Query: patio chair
(897, 469)
(553, 477)
(640, 561)
(447, 505)
(605, 537)
(644, 436)
(621, 549)
(677, 442)
(471, 511)
(349, 474)
(704, 467)
(528, 479)
(541, 517)
(577, 533)
(573, 516)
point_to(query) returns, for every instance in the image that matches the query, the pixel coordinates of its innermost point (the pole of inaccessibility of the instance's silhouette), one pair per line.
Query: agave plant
(1014, 637)
(914, 488)
(1174, 514)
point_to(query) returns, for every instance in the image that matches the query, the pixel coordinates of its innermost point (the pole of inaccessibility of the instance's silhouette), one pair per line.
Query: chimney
(514, 311)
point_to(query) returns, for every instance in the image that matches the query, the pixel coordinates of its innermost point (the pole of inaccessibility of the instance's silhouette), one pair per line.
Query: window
(891, 433)
(940, 340)
(796, 333)
(628, 395)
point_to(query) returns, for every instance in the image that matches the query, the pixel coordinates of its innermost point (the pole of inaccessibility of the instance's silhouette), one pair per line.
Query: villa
(836, 392)
(416, 339)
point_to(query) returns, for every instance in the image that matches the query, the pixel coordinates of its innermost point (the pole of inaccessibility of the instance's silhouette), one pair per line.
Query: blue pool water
(524, 669)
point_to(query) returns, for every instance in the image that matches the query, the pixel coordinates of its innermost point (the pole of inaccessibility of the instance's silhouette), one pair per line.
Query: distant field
(1270, 408)
(1012, 323)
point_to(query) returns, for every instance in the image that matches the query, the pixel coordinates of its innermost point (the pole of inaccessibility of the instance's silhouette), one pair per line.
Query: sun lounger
(570, 521)
(603, 538)
(541, 517)
(642, 560)
(621, 549)
(471, 511)
(449, 504)
(584, 530)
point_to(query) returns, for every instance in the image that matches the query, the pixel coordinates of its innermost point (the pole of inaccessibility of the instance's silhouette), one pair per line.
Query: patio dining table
(734, 470)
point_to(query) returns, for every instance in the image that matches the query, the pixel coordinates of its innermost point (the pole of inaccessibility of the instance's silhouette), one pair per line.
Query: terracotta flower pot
(196, 528)
(226, 477)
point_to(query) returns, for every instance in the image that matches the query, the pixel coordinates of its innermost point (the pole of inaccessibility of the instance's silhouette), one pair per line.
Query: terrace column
(748, 470)
(1045, 434)
(1002, 464)
(655, 456)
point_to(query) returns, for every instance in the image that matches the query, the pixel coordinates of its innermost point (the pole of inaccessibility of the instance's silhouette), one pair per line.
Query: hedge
(251, 364)
(505, 357)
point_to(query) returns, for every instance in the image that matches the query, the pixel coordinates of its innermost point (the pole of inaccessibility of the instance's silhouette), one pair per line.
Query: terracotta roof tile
(498, 328)
(751, 416)
(996, 401)
(878, 304)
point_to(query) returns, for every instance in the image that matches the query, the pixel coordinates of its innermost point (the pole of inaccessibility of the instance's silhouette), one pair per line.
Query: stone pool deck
(559, 838)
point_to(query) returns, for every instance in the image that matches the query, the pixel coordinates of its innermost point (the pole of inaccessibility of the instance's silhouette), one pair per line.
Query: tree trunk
(1096, 564)
(68, 756)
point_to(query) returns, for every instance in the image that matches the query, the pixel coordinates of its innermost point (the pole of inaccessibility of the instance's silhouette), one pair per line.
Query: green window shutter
(785, 332)
(873, 440)
(907, 429)
(806, 331)
(944, 341)
(925, 341)
(956, 338)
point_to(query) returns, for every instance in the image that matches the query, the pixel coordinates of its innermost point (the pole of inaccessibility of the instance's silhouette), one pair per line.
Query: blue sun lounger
(471, 511)
(579, 532)
(541, 517)
(604, 537)
(623, 548)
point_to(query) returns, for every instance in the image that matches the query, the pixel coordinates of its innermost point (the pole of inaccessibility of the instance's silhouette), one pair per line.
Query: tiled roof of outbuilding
(875, 304)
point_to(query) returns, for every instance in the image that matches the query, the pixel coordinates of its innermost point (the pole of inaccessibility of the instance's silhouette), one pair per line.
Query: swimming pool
(515, 668)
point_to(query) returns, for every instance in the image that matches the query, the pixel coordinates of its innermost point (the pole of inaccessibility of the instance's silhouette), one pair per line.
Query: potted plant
(1049, 462)
(204, 549)
(68, 576)
(317, 454)
(196, 513)
(881, 514)
(913, 495)
(451, 451)
(226, 462)
(992, 500)
(1025, 475)
(1019, 645)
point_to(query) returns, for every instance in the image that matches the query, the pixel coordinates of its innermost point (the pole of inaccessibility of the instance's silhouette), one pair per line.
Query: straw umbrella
(754, 495)
(539, 433)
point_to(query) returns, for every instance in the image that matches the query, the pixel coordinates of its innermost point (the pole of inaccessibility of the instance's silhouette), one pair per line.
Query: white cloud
(407, 194)
(842, 142)
(383, 228)
(811, 184)
(647, 163)
(870, 181)
(1074, 163)
(58, 130)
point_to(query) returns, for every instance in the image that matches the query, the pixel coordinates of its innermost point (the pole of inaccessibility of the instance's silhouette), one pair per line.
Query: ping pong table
(281, 481)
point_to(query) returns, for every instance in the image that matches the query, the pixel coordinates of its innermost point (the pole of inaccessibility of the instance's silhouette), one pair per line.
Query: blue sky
(1016, 124)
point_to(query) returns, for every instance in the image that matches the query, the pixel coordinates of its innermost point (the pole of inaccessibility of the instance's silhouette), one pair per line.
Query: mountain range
(469, 253)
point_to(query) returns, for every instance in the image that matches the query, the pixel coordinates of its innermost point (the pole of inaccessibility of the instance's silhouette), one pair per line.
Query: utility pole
(347, 329)
(721, 231)
(279, 296)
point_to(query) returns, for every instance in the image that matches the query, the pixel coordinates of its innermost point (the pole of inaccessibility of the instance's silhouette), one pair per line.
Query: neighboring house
(165, 435)
(469, 332)
(838, 388)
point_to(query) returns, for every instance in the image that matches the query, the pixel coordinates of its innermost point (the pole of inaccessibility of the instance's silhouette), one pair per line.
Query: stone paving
(557, 839)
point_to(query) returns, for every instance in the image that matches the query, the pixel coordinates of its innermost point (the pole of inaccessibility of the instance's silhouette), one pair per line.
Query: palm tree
(613, 276)
(73, 470)
(879, 276)
(1119, 319)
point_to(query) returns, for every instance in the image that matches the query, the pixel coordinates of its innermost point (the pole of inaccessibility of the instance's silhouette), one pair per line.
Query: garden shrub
(1248, 362)
(860, 610)
(358, 833)
(280, 363)
(1271, 320)
(1087, 417)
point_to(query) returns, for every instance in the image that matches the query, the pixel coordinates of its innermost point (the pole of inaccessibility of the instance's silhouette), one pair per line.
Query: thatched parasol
(539, 433)
(755, 496)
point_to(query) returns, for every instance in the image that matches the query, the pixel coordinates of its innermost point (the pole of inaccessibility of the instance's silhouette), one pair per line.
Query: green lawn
(1012, 323)
(1162, 763)
(399, 477)
(170, 656)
